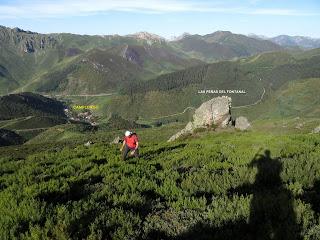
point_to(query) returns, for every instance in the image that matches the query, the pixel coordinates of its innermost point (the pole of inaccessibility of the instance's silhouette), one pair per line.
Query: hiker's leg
(136, 153)
(125, 152)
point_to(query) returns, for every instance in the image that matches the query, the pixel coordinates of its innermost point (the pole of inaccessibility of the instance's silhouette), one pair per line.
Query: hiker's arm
(137, 146)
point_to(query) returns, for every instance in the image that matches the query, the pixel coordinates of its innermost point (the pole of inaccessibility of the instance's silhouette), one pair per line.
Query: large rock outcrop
(215, 112)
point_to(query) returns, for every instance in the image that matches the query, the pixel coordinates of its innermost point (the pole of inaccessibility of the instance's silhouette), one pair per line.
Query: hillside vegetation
(294, 99)
(28, 114)
(210, 186)
(29, 104)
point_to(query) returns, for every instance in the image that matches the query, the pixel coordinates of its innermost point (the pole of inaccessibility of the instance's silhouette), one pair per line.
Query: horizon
(171, 38)
(168, 18)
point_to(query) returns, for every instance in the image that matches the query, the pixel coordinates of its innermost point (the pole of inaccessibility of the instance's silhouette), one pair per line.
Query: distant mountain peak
(26, 41)
(296, 41)
(149, 37)
(220, 33)
(182, 36)
(256, 36)
(19, 30)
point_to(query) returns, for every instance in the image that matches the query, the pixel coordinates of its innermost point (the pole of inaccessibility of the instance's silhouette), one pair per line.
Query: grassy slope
(208, 185)
(35, 122)
(294, 99)
(70, 132)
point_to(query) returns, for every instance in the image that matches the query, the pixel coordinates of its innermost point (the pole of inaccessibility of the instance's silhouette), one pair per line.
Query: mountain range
(82, 64)
(145, 72)
(291, 41)
(222, 45)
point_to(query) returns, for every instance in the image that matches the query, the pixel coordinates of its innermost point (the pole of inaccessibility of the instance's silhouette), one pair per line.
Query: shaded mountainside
(8, 138)
(29, 104)
(222, 45)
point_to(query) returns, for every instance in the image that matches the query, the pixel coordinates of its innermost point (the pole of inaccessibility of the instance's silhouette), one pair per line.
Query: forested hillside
(29, 104)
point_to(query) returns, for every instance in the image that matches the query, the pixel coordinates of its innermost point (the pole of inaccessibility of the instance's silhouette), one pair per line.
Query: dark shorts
(127, 149)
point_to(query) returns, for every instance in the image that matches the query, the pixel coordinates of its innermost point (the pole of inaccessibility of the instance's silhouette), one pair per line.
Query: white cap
(127, 133)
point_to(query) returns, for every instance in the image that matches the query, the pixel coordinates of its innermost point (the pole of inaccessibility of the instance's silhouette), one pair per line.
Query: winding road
(31, 129)
(255, 103)
(175, 114)
(236, 107)
(81, 95)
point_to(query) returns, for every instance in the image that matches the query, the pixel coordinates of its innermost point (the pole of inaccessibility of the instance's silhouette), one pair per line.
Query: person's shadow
(271, 213)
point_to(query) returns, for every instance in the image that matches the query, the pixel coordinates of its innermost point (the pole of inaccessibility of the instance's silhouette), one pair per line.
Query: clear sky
(164, 17)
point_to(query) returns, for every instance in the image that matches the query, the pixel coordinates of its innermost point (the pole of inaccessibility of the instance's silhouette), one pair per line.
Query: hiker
(130, 143)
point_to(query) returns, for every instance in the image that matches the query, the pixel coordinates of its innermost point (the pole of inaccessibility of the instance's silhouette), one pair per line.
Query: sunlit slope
(101, 71)
(295, 99)
(208, 187)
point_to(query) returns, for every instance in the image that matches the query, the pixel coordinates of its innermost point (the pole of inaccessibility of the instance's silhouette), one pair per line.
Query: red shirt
(131, 141)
